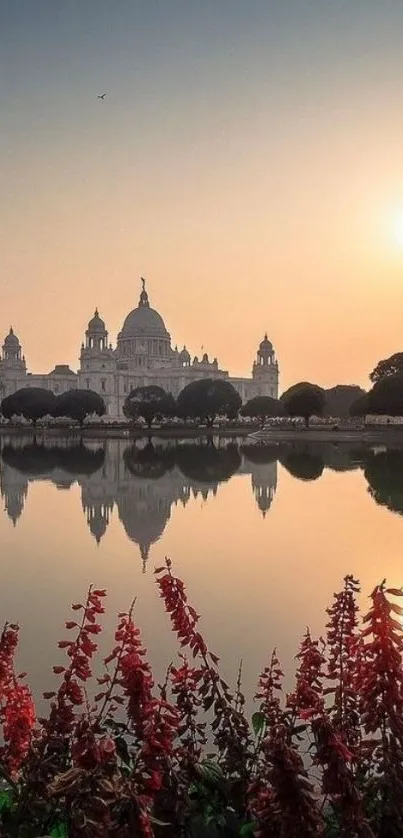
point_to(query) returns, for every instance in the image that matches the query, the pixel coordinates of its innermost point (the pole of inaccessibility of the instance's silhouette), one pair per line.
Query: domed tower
(13, 369)
(144, 342)
(265, 370)
(12, 357)
(184, 357)
(97, 362)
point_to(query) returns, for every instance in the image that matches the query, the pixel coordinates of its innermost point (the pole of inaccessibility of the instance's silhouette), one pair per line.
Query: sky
(247, 160)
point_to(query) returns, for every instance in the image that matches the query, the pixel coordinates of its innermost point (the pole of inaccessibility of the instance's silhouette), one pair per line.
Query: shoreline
(380, 435)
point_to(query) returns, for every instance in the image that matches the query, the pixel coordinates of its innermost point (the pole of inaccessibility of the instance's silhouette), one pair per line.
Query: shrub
(132, 760)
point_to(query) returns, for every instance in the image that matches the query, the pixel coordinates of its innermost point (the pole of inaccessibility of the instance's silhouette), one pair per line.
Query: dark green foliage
(30, 402)
(304, 399)
(389, 366)
(208, 398)
(149, 403)
(361, 406)
(77, 404)
(261, 407)
(386, 396)
(340, 398)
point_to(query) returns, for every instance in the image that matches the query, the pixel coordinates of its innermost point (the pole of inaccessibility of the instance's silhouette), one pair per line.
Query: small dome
(184, 356)
(11, 339)
(96, 324)
(266, 345)
(62, 369)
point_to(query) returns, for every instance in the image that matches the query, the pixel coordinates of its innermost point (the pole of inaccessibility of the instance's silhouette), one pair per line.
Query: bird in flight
(101, 96)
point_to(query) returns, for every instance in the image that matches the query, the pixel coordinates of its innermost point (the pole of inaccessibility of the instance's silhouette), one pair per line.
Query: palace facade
(143, 355)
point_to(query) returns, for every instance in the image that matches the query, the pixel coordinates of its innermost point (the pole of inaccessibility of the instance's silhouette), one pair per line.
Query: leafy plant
(325, 760)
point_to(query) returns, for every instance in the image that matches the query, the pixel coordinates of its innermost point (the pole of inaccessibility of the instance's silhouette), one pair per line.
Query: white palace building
(143, 356)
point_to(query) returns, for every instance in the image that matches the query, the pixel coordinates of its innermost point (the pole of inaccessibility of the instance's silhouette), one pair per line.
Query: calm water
(261, 536)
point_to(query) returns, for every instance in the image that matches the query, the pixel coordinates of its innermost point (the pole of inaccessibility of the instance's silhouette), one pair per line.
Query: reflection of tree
(384, 473)
(206, 463)
(302, 463)
(149, 462)
(37, 459)
(258, 453)
(341, 457)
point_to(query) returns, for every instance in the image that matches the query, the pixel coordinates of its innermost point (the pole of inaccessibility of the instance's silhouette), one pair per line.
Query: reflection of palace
(143, 356)
(142, 482)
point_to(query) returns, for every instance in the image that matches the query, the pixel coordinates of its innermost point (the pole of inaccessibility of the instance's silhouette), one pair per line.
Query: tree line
(208, 398)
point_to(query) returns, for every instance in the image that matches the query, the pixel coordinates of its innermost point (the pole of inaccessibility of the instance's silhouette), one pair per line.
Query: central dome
(144, 321)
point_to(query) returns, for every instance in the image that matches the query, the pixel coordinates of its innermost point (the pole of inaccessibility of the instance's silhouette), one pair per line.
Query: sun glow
(398, 229)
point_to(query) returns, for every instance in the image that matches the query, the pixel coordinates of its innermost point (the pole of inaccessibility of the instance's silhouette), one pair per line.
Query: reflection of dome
(144, 516)
(96, 324)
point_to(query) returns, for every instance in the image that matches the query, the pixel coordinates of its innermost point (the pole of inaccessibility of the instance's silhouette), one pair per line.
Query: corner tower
(97, 362)
(265, 372)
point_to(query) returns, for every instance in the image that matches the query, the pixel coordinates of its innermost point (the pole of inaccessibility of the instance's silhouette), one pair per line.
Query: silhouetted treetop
(208, 398)
(387, 367)
(339, 399)
(78, 404)
(149, 403)
(386, 396)
(304, 399)
(31, 402)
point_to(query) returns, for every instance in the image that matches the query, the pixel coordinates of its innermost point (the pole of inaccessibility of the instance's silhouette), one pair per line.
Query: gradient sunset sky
(247, 160)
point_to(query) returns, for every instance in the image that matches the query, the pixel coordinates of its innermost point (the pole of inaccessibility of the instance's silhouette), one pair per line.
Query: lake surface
(262, 536)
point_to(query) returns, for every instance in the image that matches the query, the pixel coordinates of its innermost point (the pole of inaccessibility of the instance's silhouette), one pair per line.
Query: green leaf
(210, 772)
(59, 830)
(246, 830)
(258, 723)
(6, 800)
(122, 750)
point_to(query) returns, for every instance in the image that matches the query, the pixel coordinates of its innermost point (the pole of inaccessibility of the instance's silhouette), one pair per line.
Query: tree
(304, 400)
(261, 407)
(386, 396)
(387, 367)
(340, 398)
(30, 402)
(77, 404)
(361, 406)
(150, 403)
(208, 398)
